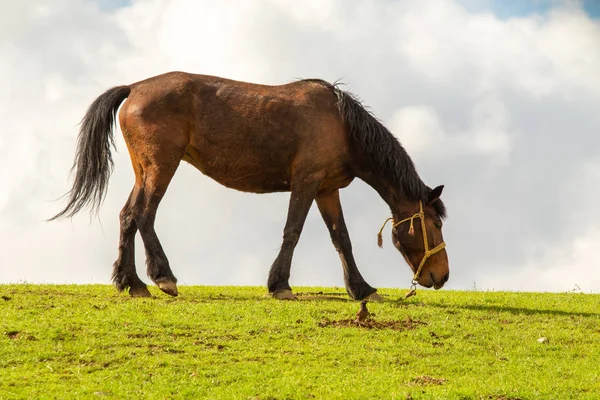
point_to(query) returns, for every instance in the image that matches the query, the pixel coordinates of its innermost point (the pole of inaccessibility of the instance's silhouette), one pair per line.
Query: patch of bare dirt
(12, 334)
(425, 380)
(406, 324)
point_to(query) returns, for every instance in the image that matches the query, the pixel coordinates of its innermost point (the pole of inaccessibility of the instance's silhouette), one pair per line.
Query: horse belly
(240, 168)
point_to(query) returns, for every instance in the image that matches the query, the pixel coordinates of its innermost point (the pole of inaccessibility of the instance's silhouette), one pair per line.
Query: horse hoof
(169, 288)
(284, 295)
(139, 292)
(374, 297)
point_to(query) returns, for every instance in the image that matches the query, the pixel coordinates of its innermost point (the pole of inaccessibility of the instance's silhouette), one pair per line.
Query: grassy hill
(88, 341)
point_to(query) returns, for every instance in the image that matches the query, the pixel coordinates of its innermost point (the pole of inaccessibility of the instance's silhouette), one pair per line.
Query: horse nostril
(446, 277)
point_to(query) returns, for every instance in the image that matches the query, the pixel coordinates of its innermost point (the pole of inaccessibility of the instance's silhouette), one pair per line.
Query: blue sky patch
(521, 8)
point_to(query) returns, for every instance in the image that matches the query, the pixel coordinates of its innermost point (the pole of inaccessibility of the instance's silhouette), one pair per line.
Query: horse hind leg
(155, 155)
(124, 274)
(156, 179)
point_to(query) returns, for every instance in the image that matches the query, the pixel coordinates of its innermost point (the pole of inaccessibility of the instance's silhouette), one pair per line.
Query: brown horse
(307, 137)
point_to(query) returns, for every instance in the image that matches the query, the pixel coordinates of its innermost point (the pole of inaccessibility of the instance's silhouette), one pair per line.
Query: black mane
(381, 147)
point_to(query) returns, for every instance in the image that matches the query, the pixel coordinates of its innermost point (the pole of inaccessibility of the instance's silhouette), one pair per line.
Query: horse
(307, 137)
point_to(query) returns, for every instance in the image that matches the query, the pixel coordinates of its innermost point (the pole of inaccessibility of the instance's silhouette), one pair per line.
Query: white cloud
(571, 267)
(421, 131)
(489, 133)
(418, 128)
(541, 55)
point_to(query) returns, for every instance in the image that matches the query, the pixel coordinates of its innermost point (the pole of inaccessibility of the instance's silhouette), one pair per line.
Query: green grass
(233, 343)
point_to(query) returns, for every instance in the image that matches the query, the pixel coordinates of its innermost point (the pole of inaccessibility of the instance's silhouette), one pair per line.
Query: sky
(497, 100)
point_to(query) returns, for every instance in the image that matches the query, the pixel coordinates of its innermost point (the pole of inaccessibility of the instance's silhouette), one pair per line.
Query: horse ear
(435, 194)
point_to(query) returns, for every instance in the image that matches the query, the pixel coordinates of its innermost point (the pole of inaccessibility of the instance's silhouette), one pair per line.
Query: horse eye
(438, 224)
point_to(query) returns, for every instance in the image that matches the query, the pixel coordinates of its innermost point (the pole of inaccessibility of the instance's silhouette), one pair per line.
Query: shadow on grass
(515, 310)
(325, 298)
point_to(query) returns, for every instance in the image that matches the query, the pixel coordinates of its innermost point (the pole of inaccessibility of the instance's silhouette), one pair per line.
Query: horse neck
(387, 189)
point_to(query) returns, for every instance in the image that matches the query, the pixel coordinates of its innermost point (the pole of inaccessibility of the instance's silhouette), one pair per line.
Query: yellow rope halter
(411, 231)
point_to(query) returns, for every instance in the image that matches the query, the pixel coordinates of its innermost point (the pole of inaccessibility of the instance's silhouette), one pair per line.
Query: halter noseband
(411, 231)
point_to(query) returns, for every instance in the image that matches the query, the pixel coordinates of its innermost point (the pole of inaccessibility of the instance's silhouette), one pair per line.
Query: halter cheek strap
(411, 231)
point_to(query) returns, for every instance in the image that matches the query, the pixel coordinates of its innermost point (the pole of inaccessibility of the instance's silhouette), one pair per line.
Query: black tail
(93, 160)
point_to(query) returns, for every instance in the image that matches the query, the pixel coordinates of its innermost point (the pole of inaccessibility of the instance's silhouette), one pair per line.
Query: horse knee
(291, 237)
(143, 221)
(126, 220)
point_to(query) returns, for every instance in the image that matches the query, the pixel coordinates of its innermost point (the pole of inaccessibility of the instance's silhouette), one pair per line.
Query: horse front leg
(331, 211)
(302, 196)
